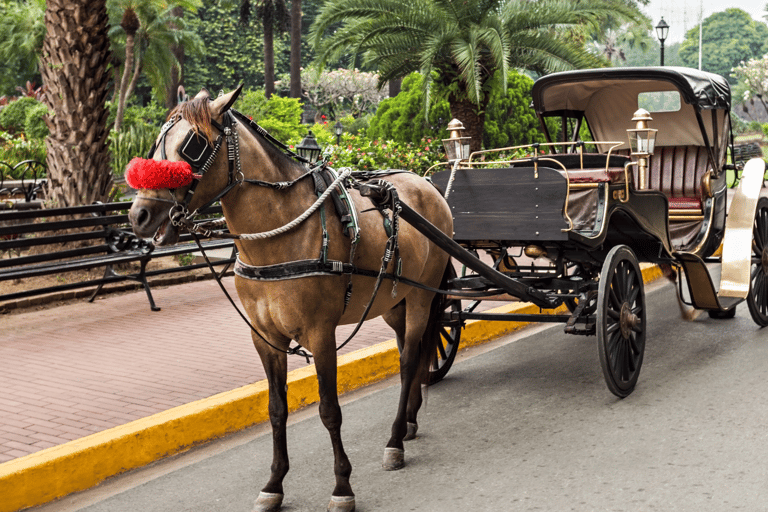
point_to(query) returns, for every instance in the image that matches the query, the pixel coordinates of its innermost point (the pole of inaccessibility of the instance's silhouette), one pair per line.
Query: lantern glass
(309, 148)
(457, 148)
(642, 142)
(338, 128)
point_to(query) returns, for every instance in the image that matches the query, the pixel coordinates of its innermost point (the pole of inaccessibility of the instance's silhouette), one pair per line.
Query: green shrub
(34, 124)
(134, 141)
(14, 115)
(152, 114)
(401, 118)
(281, 117)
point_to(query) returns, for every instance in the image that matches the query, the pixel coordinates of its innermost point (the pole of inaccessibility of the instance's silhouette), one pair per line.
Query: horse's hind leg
(342, 499)
(275, 364)
(412, 374)
(395, 318)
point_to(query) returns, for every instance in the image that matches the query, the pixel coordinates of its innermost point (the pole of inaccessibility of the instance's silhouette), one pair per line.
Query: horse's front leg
(342, 498)
(275, 364)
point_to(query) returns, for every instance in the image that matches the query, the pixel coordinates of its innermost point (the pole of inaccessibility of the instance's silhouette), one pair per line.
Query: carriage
(633, 171)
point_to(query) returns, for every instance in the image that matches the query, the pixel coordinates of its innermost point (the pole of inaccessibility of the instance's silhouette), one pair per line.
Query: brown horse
(305, 309)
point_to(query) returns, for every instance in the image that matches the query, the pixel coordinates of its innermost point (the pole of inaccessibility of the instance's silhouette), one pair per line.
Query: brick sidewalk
(73, 370)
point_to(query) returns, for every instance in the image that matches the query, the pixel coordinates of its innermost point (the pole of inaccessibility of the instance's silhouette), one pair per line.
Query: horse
(263, 188)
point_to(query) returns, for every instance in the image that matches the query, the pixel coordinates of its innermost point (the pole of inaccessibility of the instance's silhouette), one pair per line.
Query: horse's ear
(223, 103)
(203, 94)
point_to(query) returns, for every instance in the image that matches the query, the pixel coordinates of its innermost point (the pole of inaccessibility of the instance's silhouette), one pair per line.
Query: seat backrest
(677, 170)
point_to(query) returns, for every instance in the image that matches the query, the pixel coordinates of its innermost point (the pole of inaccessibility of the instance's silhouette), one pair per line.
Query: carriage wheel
(621, 320)
(449, 334)
(757, 300)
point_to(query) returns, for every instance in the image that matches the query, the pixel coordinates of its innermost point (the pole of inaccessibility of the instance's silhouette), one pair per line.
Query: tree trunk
(177, 72)
(129, 23)
(467, 112)
(75, 70)
(295, 49)
(269, 58)
(394, 87)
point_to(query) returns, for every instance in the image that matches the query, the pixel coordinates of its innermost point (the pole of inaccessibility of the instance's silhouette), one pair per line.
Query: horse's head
(184, 169)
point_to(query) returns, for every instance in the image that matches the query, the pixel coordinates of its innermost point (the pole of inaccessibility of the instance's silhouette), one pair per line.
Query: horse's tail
(431, 337)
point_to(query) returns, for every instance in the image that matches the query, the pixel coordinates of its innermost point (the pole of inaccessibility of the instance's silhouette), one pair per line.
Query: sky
(682, 15)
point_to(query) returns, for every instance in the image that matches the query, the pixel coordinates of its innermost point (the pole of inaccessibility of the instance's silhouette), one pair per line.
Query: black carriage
(633, 171)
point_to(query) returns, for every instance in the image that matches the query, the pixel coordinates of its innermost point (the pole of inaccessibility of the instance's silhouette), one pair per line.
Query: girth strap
(297, 270)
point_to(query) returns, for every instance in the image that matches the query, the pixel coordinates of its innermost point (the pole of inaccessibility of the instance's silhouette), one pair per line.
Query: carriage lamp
(309, 148)
(642, 142)
(338, 129)
(456, 146)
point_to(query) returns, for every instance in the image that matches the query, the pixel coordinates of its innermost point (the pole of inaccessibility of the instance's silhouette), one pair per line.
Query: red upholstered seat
(685, 203)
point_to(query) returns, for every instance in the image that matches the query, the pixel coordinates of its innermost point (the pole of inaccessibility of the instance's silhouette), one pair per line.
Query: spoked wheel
(621, 320)
(449, 333)
(757, 300)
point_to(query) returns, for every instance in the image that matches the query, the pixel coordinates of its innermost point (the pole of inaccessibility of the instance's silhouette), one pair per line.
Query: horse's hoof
(342, 504)
(412, 429)
(394, 459)
(268, 502)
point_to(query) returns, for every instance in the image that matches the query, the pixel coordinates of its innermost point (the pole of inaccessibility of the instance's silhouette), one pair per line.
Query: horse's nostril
(139, 217)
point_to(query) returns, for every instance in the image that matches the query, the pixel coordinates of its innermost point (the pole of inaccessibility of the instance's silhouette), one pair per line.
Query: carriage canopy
(608, 98)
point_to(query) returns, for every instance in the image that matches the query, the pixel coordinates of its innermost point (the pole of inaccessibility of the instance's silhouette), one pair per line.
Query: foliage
(21, 38)
(729, 37)
(281, 117)
(157, 33)
(356, 125)
(401, 118)
(34, 122)
(17, 148)
(13, 117)
(234, 52)
(151, 114)
(509, 118)
(363, 154)
(753, 79)
(130, 142)
(341, 91)
(461, 45)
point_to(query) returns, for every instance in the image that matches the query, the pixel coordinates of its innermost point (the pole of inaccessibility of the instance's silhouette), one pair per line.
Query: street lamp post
(662, 29)
(338, 129)
(309, 149)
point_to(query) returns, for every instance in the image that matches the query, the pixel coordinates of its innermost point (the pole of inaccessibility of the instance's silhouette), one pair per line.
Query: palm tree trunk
(177, 72)
(75, 70)
(474, 123)
(295, 49)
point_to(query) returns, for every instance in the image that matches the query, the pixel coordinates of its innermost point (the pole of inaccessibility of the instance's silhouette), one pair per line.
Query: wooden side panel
(507, 204)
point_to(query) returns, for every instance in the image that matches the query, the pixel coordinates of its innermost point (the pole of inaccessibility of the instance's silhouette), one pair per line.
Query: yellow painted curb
(78, 465)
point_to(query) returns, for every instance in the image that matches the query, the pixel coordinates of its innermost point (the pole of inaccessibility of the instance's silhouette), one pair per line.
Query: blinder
(195, 149)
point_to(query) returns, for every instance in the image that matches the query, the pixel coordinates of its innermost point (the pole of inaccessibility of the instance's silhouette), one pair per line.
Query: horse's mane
(196, 112)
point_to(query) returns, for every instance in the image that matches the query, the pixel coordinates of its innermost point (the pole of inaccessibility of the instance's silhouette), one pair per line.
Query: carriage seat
(678, 171)
(589, 167)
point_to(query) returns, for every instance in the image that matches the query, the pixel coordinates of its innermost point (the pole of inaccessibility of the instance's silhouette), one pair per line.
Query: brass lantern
(642, 142)
(456, 147)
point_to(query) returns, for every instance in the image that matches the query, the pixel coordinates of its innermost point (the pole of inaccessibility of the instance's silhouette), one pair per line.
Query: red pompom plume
(158, 174)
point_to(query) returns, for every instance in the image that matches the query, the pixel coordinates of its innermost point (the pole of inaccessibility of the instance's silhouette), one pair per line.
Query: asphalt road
(523, 424)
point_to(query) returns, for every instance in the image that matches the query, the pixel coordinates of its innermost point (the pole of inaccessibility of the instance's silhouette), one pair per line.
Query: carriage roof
(609, 97)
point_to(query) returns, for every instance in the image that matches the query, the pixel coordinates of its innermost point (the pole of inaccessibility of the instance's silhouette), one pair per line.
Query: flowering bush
(17, 148)
(363, 154)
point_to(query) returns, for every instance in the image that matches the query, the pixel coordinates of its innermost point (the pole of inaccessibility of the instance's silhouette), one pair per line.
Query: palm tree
(75, 66)
(273, 15)
(463, 44)
(150, 34)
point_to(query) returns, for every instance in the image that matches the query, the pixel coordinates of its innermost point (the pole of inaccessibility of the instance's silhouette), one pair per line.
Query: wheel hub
(627, 320)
